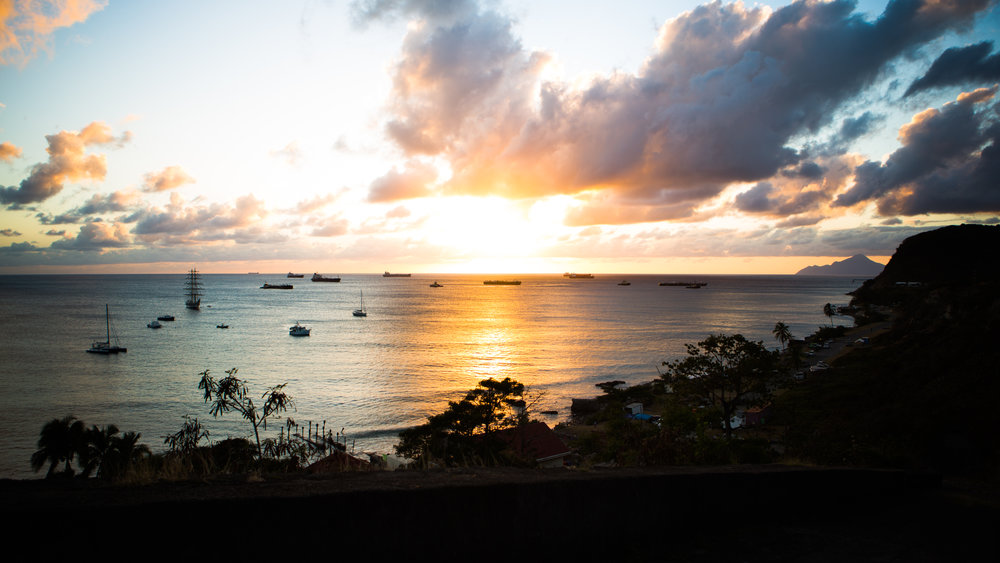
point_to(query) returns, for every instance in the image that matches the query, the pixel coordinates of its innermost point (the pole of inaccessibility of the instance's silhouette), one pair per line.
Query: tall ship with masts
(193, 287)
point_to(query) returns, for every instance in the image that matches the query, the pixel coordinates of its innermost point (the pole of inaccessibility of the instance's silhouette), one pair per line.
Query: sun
(494, 234)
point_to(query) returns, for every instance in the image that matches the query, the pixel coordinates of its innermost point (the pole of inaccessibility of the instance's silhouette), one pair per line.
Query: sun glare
(488, 229)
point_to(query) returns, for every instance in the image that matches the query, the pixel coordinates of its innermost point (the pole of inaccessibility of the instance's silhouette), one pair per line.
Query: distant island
(858, 265)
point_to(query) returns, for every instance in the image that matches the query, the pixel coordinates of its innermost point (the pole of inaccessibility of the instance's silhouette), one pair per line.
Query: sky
(453, 136)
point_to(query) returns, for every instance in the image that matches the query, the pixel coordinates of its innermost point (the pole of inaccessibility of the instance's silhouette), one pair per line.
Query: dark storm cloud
(958, 66)
(949, 163)
(855, 127)
(718, 102)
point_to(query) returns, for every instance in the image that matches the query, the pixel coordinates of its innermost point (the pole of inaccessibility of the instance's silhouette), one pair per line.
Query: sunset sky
(506, 136)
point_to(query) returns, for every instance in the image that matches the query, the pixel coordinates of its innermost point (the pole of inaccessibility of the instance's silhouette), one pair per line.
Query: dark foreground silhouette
(746, 513)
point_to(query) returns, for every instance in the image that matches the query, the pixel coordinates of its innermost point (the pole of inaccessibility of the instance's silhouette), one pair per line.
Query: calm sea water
(418, 347)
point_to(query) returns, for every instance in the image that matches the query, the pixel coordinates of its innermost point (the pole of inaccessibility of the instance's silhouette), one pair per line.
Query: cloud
(959, 66)
(18, 248)
(308, 206)
(331, 227)
(720, 101)
(807, 188)
(398, 212)
(61, 219)
(167, 179)
(26, 27)
(9, 233)
(68, 162)
(96, 236)
(8, 152)
(180, 223)
(410, 183)
(291, 153)
(949, 162)
(114, 202)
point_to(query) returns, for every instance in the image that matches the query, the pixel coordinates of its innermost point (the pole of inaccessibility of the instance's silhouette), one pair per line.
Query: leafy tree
(725, 372)
(59, 442)
(466, 431)
(782, 334)
(231, 394)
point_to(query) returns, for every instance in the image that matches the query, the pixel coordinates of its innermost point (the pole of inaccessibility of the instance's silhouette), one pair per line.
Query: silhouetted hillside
(923, 395)
(964, 253)
(858, 265)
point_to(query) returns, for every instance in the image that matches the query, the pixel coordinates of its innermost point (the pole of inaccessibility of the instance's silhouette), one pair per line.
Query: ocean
(418, 348)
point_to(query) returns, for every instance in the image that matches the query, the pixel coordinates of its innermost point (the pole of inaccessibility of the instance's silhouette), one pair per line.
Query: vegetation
(466, 432)
(782, 333)
(724, 372)
(231, 394)
(99, 451)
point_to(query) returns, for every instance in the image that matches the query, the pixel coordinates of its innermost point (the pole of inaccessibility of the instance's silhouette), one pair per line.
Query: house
(537, 442)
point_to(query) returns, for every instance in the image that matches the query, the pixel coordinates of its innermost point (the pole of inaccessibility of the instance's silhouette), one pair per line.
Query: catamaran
(194, 290)
(106, 347)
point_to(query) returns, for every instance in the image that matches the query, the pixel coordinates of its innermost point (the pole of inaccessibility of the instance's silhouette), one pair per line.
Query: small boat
(624, 282)
(502, 282)
(154, 324)
(361, 312)
(106, 347)
(298, 330)
(436, 284)
(319, 278)
(291, 275)
(194, 290)
(388, 275)
(165, 318)
(222, 325)
(276, 286)
(573, 276)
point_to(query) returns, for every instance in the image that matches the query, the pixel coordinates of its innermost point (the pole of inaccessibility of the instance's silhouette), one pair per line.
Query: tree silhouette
(98, 450)
(465, 432)
(782, 333)
(725, 372)
(231, 394)
(60, 441)
(829, 311)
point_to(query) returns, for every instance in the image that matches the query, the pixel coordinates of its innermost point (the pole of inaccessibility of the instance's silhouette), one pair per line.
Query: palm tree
(782, 333)
(829, 311)
(127, 452)
(59, 442)
(99, 450)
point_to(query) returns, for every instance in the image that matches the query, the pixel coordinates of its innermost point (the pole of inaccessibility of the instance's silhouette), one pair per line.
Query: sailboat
(106, 347)
(361, 312)
(193, 286)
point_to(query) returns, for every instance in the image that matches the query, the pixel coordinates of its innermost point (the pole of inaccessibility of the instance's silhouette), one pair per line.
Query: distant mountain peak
(858, 265)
